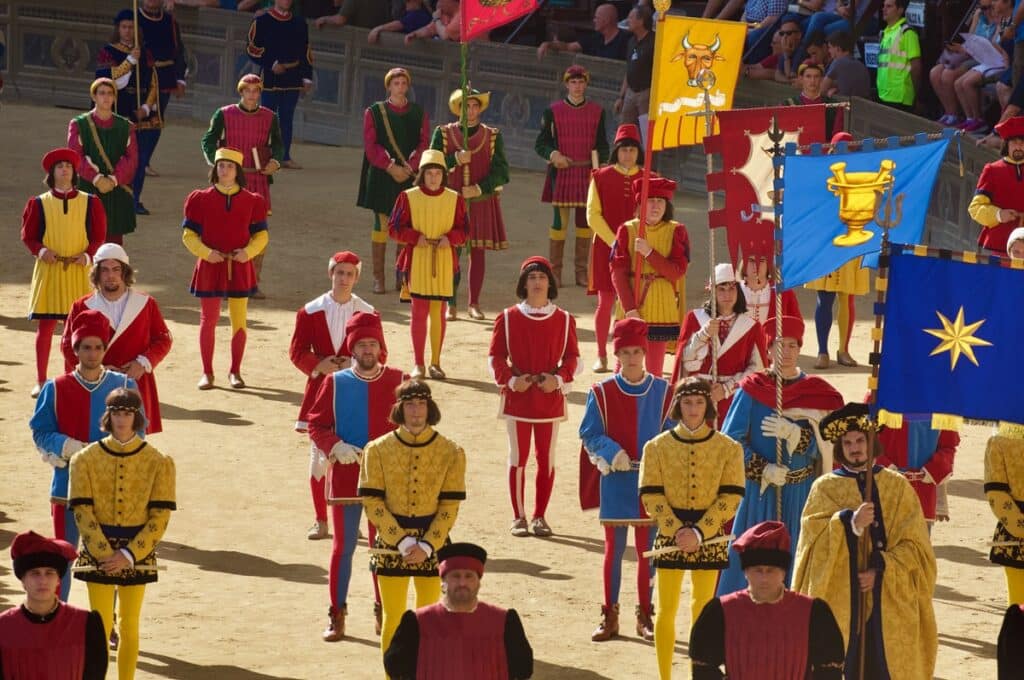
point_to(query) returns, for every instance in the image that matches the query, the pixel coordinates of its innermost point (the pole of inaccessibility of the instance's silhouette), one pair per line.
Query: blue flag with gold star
(952, 338)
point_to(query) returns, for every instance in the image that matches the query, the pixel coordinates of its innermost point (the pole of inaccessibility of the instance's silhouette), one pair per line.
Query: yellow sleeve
(257, 243)
(453, 492)
(161, 503)
(371, 492)
(652, 492)
(595, 216)
(80, 499)
(195, 245)
(983, 211)
(730, 492)
(997, 484)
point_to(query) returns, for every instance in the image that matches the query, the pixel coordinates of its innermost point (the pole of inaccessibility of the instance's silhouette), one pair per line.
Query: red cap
(630, 332)
(30, 550)
(792, 327)
(461, 556)
(535, 259)
(1010, 128)
(575, 71)
(841, 137)
(627, 131)
(658, 187)
(343, 256)
(766, 543)
(57, 155)
(90, 324)
(365, 325)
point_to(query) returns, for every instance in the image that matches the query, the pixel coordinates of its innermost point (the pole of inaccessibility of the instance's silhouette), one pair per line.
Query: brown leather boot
(557, 253)
(378, 617)
(645, 622)
(581, 261)
(335, 630)
(609, 626)
(379, 252)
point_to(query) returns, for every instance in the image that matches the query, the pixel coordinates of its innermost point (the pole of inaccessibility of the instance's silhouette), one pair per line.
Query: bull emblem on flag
(698, 57)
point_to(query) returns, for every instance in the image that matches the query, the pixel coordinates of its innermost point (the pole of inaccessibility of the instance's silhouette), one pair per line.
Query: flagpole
(776, 136)
(138, 62)
(706, 78)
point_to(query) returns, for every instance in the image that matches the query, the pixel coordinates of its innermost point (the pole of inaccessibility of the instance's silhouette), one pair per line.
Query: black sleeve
(517, 648)
(707, 643)
(1009, 651)
(825, 644)
(95, 648)
(400, 657)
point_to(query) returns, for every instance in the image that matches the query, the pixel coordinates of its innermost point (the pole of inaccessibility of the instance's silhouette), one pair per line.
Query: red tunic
(245, 130)
(486, 224)
(617, 206)
(1003, 183)
(225, 223)
(54, 650)
(461, 645)
(916, 448)
(576, 129)
(142, 332)
(528, 344)
(767, 641)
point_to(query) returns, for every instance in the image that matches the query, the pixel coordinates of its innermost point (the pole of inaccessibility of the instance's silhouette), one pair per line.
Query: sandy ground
(245, 593)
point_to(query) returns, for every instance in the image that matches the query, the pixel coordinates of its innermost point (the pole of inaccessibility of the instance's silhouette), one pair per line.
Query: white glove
(407, 544)
(777, 427)
(775, 474)
(602, 465)
(621, 462)
(346, 453)
(53, 459)
(70, 448)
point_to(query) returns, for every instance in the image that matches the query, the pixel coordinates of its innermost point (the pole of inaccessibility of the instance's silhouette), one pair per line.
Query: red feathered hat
(90, 324)
(627, 132)
(344, 256)
(365, 325)
(766, 543)
(57, 155)
(658, 187)
(792, 327)
(30, 550)
(630, 332)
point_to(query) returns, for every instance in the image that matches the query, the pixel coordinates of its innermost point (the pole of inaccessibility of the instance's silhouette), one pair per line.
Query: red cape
(809, 391)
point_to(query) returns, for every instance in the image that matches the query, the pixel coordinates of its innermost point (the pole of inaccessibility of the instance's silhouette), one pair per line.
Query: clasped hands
(545, 381)
(400, 172)
(238, 255)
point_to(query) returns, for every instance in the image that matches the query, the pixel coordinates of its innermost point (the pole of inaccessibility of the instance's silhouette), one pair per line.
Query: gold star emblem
(957, 338)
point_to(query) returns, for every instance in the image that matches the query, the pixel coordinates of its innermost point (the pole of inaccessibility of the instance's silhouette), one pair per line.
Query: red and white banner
(481, 16)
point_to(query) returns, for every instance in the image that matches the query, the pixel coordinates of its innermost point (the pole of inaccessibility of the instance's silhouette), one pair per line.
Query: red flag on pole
(481, 16)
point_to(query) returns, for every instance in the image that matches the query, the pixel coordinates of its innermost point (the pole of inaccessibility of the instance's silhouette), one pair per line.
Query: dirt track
(245, 594)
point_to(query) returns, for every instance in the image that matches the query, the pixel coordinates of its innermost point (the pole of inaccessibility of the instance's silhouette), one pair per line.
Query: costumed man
(122, 492)
(411, 482)
(1004, 488)
(847, 282)
(754, 423)
(165, 53)
(429, 220)
(921, 454)
(225, 227)
(123, 62)
(758, 287)
(44, 637)
(610, 203)
(691, 481)
(139, 337)
(318, 349)
(477, 170)
(738, 339)
(254, 130)
(350, 409)
(661, 248)
(67, 416)
(765, 630)
(62, 228)
(896, 583)
(809, 75)
(107, 147)
(998, 202)
(460, 636)
(623, 413)
(571, 139)
(279, 45)
(396, 132)
(533, 358)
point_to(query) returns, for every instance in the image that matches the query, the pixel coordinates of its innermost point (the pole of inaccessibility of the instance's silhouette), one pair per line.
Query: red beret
(575, 71)
(343, 256)
(461, 556)
(629, 132)
(536, 259)
(365, 325)
(90, 324)
(658, 187)
(30, 550)
(766, 543)
(57, 155)
(792, 327)
(1010, 128)
(630, 332)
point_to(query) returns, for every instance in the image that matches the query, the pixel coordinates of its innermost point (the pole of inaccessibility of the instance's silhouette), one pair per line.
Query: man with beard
(140, 337)
(351, 408)
(998, 202)
(460, 636)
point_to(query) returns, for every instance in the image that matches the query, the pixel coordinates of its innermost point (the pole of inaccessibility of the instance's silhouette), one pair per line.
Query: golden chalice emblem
(859, 194)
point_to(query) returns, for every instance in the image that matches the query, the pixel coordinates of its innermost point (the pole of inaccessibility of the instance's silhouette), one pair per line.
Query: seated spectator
(359, 13)
(447, 24)
(765, 15)
(954, 62)
(817, 52)
(779, 65)
(899, 58)
(1011, 100)
(968, 86)
(810, 77)
(845, 76)
(414, 17)
(608, 40)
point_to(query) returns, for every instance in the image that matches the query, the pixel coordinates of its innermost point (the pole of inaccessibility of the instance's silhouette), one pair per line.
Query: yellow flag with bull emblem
(685, 51)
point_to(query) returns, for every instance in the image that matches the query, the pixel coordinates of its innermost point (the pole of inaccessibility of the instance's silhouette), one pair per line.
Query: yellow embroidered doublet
(659, 305)
(55, 287)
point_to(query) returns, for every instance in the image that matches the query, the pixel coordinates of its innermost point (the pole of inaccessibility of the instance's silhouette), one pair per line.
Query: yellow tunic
(55, 287)
(692, 479)
(411, 485)
(432, 269)
(659, 305)
(823, 568)
(1004, 488)
(122, 496)
(851, 279)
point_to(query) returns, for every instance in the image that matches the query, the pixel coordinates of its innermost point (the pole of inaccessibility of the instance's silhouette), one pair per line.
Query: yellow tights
(393, 597)
(668, 584)
(1014, 585)
(129, 606)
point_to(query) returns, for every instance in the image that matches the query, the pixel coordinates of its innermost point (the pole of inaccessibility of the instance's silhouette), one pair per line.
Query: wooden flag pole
(138, 62)
(641, 229)
(776, 136)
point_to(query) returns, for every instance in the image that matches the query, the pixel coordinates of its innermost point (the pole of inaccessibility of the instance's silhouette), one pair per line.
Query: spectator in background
(779, 66)
(359, 13)
(447, 24)
(635, 94)
(845, 76)
(414, 17)
(816, 52)
(899, 58)
(765, 15)
(608, 40)
(955, 62)
(968, 86)
(810, 76)
(765, 69)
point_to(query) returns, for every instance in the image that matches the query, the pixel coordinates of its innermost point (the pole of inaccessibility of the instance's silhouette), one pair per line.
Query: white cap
(110, 251)
(724, 273)
(1015, 235)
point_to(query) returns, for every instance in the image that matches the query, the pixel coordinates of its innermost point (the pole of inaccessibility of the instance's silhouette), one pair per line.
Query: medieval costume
(534, 342)
(921, 454)
(620, 418)
(115, 61)
(900, 635)
(758, 286)
(1000, 188)
(1004, 488)
(571, 132)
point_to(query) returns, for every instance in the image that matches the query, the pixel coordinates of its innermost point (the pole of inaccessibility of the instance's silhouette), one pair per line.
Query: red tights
(603, 320)
(44, 339)
(209, 314)
(544, 436)
(477, 267)
(421, 310)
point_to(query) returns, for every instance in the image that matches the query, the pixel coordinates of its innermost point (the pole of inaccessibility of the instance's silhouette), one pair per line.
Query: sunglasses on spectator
(785, 33)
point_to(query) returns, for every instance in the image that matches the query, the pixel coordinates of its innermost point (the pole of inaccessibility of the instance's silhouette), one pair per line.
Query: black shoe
(141, 209)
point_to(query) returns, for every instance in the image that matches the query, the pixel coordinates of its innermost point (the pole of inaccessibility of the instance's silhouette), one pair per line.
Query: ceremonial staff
(776, 136)
(138, 62)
